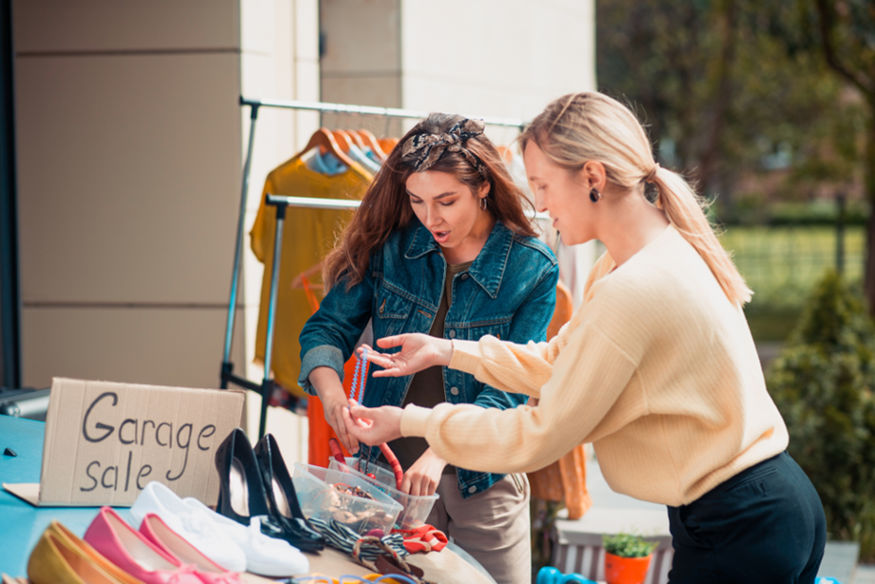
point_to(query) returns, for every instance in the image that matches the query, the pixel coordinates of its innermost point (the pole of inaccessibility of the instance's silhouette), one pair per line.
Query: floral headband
(423, 150)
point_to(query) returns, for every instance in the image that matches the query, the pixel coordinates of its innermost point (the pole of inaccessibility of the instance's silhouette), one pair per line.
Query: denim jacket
(509, 291)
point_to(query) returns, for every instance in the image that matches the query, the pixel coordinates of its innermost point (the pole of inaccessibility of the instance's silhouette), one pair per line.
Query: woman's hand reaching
(424, 475)
(418, 352)
(335, 404)
(375, 425)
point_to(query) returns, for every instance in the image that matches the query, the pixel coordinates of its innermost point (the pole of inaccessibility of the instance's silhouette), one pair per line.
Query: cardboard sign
(105, 441)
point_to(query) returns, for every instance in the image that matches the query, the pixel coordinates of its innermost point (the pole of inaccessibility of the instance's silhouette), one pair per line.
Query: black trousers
(764, 525)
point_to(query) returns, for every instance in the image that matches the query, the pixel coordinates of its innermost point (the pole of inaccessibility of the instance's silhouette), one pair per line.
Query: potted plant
(627, 558)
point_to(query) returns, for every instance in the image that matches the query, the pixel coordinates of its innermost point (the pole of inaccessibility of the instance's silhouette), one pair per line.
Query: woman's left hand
(375, 425)
(424, 475)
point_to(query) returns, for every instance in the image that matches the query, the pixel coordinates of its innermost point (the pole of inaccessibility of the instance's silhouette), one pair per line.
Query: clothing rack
(265, 388)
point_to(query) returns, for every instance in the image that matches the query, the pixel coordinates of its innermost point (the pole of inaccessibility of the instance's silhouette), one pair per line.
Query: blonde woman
(657, 368)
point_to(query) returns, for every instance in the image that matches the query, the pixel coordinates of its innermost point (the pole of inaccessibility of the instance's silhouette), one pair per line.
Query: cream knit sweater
(656, 368)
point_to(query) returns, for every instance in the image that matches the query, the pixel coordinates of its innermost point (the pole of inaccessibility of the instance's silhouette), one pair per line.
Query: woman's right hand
(418, 352)
(335, 404)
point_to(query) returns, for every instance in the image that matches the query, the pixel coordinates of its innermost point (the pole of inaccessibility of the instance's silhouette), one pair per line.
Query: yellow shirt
(657, 369)
(308, 236)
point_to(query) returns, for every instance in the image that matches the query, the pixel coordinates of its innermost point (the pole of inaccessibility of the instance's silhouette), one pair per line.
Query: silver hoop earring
(595, 195)
(483, 203)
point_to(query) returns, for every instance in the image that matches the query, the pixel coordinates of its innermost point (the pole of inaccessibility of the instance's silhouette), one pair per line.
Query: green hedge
(823, 382)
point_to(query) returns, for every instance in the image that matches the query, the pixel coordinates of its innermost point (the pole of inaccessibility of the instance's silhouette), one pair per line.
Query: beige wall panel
(159, 346)
(306, 80)
(289, 429)
(472, 100)
(275, 128)
(361, 36)
(306, 30)
(361, 89)
(265, 26)
(126, 25)
(476, 40)
(129, 174)
(380, 90)
(250, 368)
(266, 76)
(281, 28)
(522, 55)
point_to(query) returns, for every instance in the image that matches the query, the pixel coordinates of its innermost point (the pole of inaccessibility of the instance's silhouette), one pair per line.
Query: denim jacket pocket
(498, 326)
(391, 304)
(391, 313)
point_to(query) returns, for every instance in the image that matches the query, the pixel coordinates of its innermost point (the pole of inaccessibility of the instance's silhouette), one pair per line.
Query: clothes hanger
(371, 142)
(356, 138)
(387, 144)
(343, 140)
(346, 139)
(506, 153)
(302, 280)
(324, 139)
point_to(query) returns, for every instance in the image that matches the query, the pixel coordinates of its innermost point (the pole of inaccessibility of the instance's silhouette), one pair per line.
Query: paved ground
(864, 575)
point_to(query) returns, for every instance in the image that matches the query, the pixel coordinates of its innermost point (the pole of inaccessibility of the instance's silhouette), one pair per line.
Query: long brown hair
(580, 127)
(441, 142)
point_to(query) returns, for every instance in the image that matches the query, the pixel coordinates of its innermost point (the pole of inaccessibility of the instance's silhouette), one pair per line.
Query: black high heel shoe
(242, 494)
(281, 496)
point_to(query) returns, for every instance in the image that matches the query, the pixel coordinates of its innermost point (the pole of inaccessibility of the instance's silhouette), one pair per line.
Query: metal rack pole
(317, 203)
(226, 373)
(386, 112)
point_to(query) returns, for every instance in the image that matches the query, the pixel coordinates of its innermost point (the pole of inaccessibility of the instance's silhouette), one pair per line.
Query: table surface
(21, 524)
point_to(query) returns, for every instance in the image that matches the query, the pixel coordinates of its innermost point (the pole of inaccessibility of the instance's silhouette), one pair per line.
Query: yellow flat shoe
(60, 557)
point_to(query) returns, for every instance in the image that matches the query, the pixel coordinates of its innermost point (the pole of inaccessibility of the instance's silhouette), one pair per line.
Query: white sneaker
(268, 556)
(192, 524)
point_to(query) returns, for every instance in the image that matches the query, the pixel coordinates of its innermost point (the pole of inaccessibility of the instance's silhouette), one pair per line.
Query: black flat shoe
(281, 497)
(242, 494)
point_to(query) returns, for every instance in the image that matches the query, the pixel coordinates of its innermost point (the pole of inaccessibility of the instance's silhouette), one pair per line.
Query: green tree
(840, 36)
(847, 36)
(723, 94)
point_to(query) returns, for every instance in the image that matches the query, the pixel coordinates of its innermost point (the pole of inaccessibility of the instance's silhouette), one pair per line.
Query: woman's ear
(593, 175)
(483, 190)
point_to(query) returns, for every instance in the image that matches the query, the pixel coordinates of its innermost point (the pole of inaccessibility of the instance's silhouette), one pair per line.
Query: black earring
(594, 195)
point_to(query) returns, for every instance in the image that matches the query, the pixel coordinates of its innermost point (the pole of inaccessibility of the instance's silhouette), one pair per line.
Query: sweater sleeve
(587, 379)
(521, 368)
(512, 367)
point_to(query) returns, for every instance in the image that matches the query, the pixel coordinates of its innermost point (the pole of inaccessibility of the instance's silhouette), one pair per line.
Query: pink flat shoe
(155, 530)
(110, 535)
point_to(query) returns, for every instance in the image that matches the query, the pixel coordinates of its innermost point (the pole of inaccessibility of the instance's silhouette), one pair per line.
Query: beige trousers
(492, 526)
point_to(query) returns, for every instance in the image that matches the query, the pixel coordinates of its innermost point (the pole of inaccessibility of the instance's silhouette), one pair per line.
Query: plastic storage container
(320, 497)
(415, 508)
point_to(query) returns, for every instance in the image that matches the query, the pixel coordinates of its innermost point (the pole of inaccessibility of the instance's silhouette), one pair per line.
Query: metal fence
(783, 263)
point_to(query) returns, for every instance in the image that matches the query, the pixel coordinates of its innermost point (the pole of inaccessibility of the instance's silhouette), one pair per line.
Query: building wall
(489, 58)
(122, 210)
(494, 57)
(131, 140)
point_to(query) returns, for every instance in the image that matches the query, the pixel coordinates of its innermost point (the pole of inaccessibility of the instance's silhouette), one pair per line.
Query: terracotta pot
(619, 570)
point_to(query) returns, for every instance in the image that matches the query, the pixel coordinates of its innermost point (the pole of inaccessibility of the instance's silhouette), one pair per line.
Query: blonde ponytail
(580, 127)
(685, 209)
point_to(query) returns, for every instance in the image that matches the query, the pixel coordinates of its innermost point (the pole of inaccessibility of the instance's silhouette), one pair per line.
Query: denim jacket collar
(494, 254)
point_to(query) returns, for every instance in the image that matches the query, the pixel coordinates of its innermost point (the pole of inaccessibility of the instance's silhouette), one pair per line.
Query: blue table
(21, 524)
